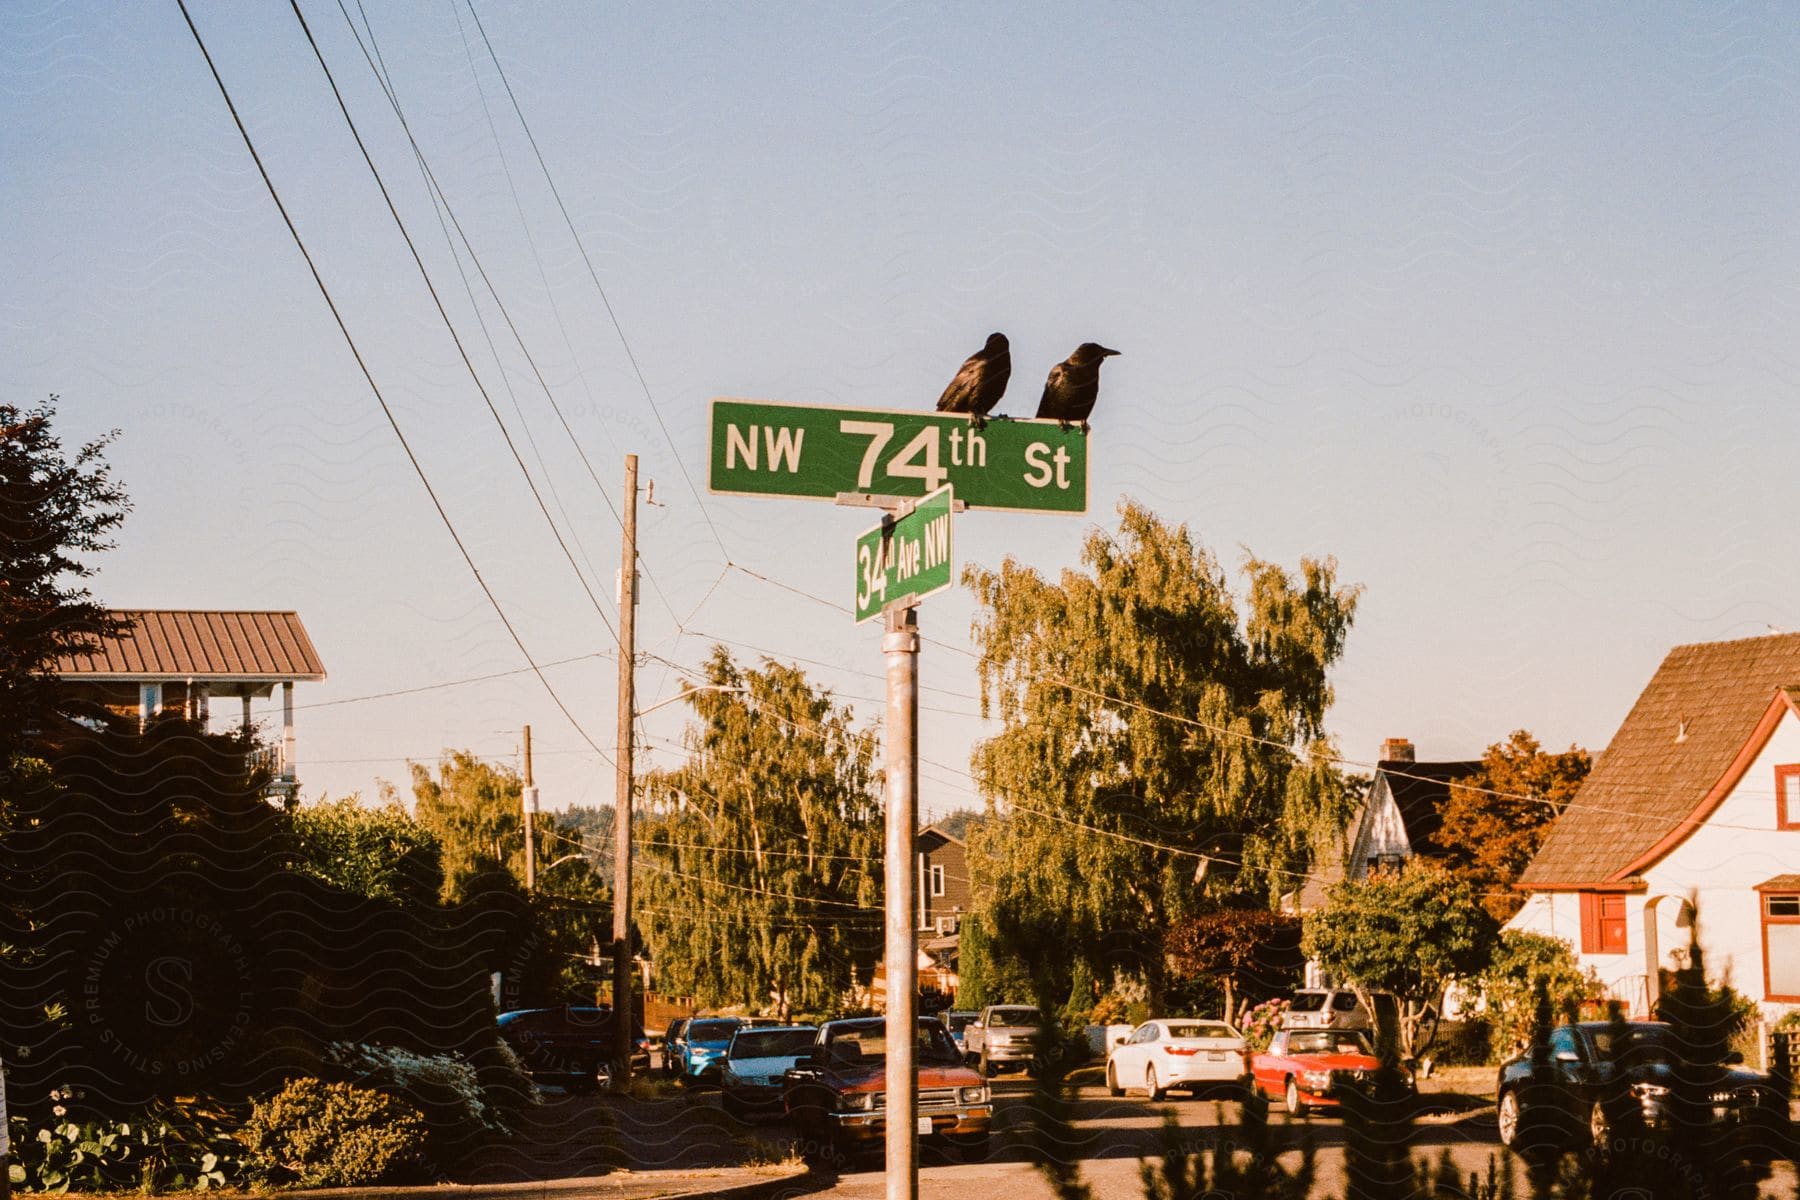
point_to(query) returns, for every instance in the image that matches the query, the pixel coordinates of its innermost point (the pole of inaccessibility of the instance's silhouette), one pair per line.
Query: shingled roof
(1420, 790)
(1680, 738)
(200, 645)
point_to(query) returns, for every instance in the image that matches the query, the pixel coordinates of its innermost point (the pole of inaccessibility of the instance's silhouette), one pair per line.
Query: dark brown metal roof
(200, 644)
(1684, 732)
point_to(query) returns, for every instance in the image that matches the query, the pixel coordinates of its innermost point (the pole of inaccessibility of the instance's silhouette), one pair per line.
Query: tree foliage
(1251, 951)
(1409, 932)
(1142, 697)
(380, 852)
(54, 510)
(761, 855)
(1524, 964)
(1495, 820)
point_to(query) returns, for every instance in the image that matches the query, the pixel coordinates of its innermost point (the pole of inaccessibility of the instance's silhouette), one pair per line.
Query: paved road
(583, 1135)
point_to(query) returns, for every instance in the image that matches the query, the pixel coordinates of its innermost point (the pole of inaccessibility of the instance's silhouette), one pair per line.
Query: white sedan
(1175, 1053)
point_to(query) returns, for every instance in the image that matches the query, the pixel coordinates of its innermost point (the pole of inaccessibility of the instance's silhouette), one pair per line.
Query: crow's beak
(1104, 352)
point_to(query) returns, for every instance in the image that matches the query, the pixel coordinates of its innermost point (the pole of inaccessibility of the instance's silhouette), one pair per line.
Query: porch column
(287, 730)
(246, 699)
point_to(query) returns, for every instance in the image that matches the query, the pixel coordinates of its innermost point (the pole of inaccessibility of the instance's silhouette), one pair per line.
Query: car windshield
(1634, 1044)
(711, 1031)
(959, 1021)
(866, 1042)
(1187, 1029)
(772, 1043)
(1326, 1041)
(1307, 1002)
(1021, 1015)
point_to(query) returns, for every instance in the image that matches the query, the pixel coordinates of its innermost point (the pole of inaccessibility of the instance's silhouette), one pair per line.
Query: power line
(595, 276)
(362, 364)
(444, 315)
(450, 683)
(384, 78)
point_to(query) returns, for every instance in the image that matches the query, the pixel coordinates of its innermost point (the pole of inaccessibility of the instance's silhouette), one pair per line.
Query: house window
(937, 881)
(1781, 945)
(1787, 796)
(1602, 923)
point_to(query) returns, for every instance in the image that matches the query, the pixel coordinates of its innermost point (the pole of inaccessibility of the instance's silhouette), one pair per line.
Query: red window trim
(1783, 773)
(1595, 924)
(1767, 920)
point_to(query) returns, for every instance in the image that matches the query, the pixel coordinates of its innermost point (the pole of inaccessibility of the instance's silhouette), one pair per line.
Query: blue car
(701, 1055)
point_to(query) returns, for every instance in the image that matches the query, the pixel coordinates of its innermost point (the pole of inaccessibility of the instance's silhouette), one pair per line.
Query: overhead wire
(363, 366)
(444, 315)
(594, 275)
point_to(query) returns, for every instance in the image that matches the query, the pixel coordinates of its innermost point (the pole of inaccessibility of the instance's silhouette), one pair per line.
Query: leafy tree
(761, 855)
(592, 827)
(475, 811)
(381, 852)
(1411, 933)
(1495, 820)
(960, 822)
(1141, 697)
(1251, 951)
(1524, 964)
(54, 509)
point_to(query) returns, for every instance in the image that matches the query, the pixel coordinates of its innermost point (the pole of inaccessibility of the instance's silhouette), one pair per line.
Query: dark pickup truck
(835, 1094)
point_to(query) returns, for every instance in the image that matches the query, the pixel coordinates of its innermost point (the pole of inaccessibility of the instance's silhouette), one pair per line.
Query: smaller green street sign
(904, 558)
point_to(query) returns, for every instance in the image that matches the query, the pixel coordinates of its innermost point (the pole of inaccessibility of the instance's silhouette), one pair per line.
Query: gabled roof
(939, 831)
(1680, 743)
(200, 644)
(1419, 790)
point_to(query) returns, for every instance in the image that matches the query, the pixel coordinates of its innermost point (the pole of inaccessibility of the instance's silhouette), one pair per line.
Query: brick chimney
(1397, 750)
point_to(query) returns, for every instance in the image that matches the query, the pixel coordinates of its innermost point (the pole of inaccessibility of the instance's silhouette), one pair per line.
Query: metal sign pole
(900, 645)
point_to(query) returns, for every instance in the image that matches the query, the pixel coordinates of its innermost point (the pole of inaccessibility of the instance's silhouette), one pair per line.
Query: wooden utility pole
(623, 1008)
(530, 799)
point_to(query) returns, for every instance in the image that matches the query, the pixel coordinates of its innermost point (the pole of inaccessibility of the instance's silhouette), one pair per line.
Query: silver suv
(1327, 1008)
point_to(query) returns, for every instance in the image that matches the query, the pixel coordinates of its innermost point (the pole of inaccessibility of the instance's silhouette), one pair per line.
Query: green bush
(322, 1134)
(1509, 986)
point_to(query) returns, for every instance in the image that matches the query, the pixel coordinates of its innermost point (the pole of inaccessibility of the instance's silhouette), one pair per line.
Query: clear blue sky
(1495, 304)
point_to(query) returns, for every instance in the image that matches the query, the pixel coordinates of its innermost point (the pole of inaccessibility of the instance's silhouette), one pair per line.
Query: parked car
(1312, 1068)
(1003, 1035)
(672, 1042)
(1162, 1054)
(956, 1021)
(703, 1046)
(754, 1074)
(835, 1096)
(1327, 1008)
(1564, 1096)
(568, 1047)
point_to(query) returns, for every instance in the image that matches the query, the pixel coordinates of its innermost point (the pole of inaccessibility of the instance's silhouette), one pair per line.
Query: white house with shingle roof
(1693, 807)
(183, 659)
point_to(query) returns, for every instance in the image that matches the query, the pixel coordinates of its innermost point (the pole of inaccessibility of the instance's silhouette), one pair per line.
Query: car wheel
(1296, 1107)
(1152, 1087)
(1507, 1117)
(1112, 1081)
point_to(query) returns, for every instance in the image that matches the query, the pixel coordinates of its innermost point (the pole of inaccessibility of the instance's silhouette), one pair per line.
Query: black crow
(981, 382)
(1073, 384)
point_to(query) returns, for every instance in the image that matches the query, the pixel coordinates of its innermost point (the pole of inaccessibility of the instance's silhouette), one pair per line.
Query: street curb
(620, 1183)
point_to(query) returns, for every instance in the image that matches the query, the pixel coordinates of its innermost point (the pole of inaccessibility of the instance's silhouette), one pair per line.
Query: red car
(1310, 1068)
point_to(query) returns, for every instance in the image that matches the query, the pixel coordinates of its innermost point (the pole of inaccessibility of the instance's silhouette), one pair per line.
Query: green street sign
(904, 558)
(795, 450)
